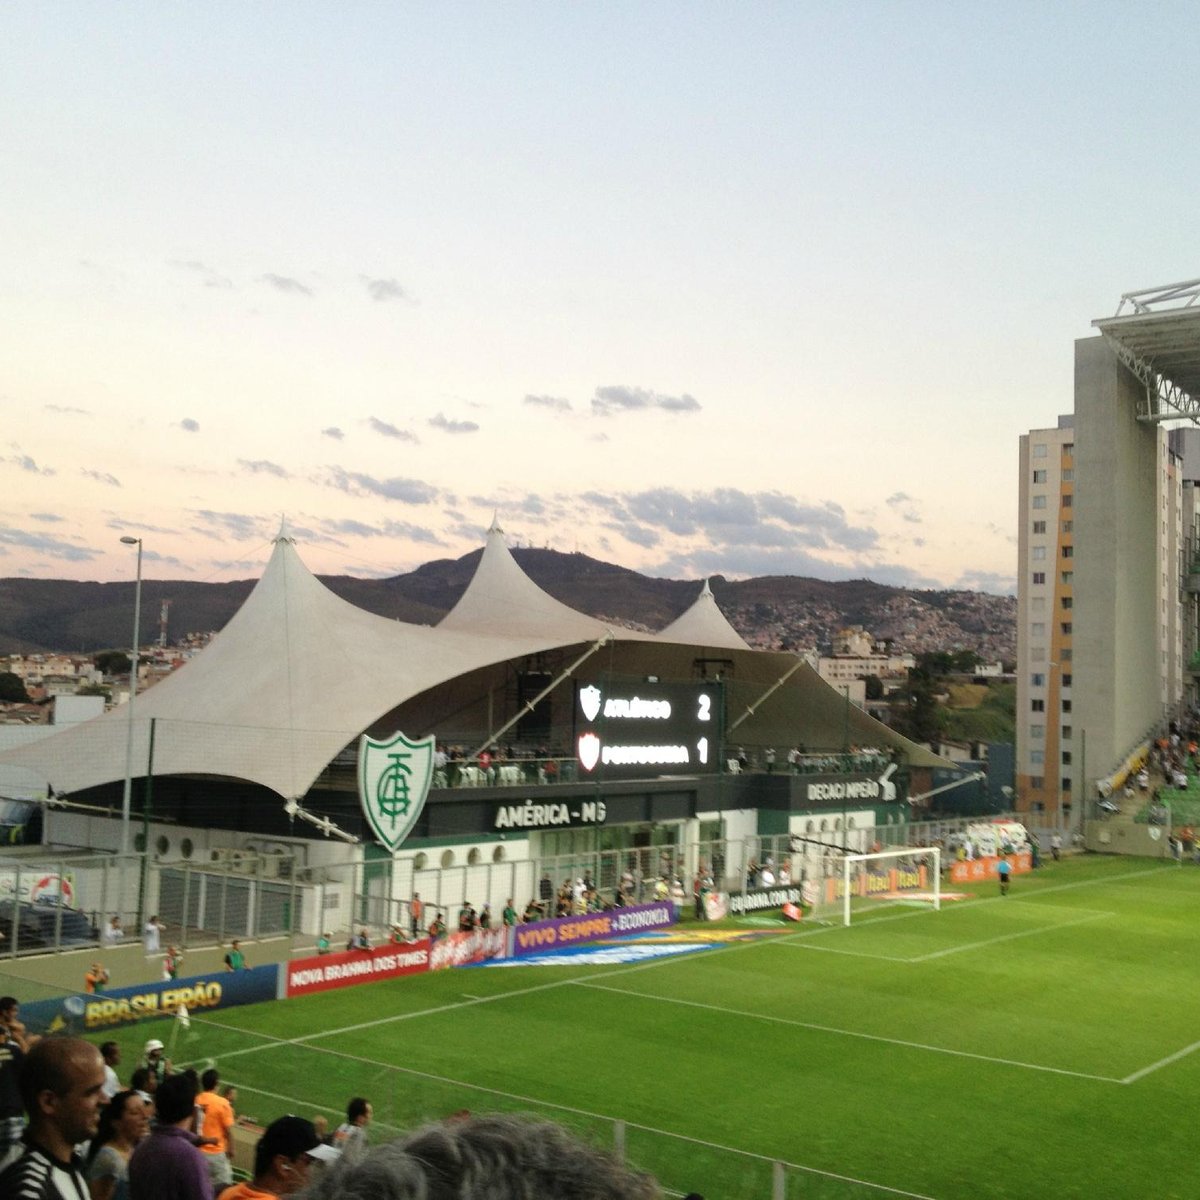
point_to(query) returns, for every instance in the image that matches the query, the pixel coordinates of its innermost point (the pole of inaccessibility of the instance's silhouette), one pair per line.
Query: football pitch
(1040, 1044)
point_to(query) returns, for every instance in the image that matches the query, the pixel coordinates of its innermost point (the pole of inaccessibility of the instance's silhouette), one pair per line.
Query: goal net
(855, 884)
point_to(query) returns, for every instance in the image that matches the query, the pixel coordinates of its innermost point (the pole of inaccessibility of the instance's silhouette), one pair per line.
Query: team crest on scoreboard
(589, 750)
(393, 782)
(589, 701)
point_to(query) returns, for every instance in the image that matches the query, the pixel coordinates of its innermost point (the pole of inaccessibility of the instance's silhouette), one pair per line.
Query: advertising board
(324, 972)
(539, 936)
(84, 1014)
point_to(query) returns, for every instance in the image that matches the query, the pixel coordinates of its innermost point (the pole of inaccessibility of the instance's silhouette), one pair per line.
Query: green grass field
(1036, 1045)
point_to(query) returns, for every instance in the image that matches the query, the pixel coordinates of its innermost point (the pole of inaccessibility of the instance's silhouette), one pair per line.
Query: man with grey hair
(497, 1157)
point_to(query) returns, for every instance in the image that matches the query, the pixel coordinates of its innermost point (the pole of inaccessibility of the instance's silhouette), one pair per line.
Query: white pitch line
(849, 953)
(1006, 937)
(1162, 1062)
(851, 1033)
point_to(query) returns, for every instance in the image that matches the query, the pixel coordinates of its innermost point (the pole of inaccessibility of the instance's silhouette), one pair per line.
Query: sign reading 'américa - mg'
(393, 783)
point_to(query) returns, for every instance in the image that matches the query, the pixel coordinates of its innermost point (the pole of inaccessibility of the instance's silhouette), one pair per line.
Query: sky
(694, 288)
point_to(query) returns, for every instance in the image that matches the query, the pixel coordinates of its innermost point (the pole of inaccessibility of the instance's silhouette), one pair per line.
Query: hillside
(772, 611)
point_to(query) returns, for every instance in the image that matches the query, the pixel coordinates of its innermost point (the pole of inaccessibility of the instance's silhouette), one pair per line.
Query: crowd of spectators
(169, 1134)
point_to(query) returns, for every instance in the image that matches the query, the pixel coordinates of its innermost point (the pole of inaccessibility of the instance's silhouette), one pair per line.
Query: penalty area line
(851, 1033)
(1162, 1062)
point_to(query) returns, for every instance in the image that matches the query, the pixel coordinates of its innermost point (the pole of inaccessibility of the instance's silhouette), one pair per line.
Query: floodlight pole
(133, 670)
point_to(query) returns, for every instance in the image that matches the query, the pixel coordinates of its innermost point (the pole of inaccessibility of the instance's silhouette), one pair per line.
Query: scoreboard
(635, 730)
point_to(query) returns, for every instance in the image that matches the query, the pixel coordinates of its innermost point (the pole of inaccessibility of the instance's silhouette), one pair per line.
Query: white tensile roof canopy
(298, 674)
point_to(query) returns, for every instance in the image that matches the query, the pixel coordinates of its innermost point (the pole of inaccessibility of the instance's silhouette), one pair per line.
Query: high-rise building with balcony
(1107, 610)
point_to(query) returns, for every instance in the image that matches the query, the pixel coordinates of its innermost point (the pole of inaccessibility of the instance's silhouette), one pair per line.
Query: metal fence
(642, 873)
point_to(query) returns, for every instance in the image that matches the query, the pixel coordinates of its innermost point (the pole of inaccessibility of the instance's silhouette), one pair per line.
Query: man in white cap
(154, 1060)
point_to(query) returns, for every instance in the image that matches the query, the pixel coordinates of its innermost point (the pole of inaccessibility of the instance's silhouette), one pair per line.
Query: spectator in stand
(324, 943)
(437, 927)
(113, 932)
(167, 1165)
(359, 941)
(485, 917)
(62, 1088)
(501, 1157)
(151, 935)
(416, 912)
(124, 1122)
(533, 912)
(111, 1053)
(216, 1122)
(12, 1107)
(145, 1083)
(172, 963)
(95, 979)
(235, 960)
(155, 1062)
(282, 1160)
(509, 915)
(350, 1137)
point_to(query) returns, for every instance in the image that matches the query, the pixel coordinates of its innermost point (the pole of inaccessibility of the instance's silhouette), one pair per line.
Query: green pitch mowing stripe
(1043, 1044)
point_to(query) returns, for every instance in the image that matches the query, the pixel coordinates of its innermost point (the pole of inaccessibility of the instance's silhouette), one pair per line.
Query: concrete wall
(1117, 622)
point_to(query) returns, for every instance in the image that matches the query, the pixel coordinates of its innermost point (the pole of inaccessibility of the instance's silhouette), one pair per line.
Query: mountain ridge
(770, 611)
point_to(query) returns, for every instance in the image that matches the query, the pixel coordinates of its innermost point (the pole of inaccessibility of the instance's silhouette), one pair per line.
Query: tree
(873, 687)
(12, 689)
(112, 662)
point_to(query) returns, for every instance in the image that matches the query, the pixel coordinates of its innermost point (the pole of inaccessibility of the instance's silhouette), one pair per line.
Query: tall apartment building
(1045, 623)
(1107, 599)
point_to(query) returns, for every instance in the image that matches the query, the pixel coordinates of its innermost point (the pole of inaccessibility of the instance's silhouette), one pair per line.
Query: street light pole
(133, 674)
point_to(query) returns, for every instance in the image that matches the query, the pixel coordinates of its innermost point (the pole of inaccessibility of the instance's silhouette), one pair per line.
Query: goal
(856, 883)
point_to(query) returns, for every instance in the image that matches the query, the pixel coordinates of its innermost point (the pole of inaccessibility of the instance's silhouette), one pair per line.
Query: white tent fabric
(503, 601)
(704, 624)
(298, 674)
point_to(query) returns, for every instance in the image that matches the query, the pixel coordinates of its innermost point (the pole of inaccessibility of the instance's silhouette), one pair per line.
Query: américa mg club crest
(393, 782)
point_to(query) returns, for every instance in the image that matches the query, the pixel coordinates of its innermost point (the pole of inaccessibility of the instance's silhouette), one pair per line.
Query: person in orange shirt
(215, 1124)
(283, 1161)
(95, 979)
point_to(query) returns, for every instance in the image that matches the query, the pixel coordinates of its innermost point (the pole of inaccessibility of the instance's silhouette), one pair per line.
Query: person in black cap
(282, 1160)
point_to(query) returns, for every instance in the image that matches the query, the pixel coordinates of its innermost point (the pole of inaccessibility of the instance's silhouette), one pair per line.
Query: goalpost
(909, 875)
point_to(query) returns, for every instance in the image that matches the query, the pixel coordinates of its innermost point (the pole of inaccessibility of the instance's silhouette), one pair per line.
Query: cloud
(903, 504)
(333, 432)
(284, 283)
(389, 430)
(443, 422)
(168, 560)
(25, 463)
(67, 409)
(208, 277)
(404, 491)
(732, 521)
(385, 289)
(619, 398)
(189, 425)
(43, 543)
(557, 403)
(239, 526)
(49, 518)
(347, 527)
(121, 525)
(100, 477)
(261, 466)
(995, 582)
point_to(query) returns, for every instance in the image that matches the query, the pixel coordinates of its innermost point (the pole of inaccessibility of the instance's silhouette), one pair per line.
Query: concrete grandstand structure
(253, 741)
